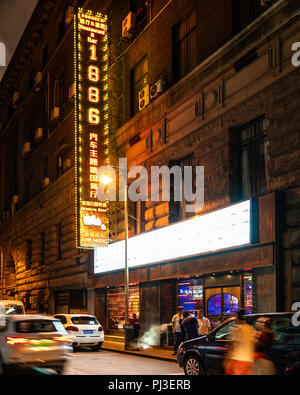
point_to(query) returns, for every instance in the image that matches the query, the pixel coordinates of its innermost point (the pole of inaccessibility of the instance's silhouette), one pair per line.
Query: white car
(84, 330)
(33, 341)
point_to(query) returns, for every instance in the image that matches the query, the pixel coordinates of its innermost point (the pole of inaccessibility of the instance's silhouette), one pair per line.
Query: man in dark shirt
(190, 326)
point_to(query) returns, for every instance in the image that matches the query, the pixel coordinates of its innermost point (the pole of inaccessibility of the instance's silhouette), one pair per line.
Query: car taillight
(100, 328)
(72, 328)
(16, 340)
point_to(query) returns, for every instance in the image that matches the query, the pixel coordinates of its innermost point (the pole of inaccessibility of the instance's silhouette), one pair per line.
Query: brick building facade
(230, 103)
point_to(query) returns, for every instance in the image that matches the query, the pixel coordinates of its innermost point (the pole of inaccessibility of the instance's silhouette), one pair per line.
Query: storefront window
(248, 293)
(116, 307)
(190, 294)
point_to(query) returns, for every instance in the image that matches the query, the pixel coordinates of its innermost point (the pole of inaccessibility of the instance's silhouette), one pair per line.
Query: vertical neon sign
(91, 125)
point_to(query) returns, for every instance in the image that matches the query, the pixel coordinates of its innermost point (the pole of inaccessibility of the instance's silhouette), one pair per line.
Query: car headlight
(180, 350)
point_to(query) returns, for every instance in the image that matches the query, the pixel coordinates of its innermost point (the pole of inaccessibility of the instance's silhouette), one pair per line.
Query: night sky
(14, 16)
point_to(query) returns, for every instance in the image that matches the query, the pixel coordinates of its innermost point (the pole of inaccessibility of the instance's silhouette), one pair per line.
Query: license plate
(88, 332)
(41, 343)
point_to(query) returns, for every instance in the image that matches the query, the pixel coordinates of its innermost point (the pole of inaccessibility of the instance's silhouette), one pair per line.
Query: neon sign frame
(91, 126)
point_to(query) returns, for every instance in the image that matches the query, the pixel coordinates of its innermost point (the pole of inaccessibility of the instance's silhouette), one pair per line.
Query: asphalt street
(86, 362)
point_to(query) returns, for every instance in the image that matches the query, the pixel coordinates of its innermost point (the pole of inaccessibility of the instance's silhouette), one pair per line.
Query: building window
(253, 144)
(59, 92)
(32, 129)
(45, 56)
(59, 166)
(185, 56)
(15, 167)
(45, 167)
(45, 115)
(245, 12)
(43, 247)
(31, 189)
(59, 241)
(178, 209)
(31, 79)
(139, 79)
(28, 254)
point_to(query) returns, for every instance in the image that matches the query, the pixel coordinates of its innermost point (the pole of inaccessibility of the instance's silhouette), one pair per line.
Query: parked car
(11, 307)
(205, 355)
(33, 341)
(84, 330)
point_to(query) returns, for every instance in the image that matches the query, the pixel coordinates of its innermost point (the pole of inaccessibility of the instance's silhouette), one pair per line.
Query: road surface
(86, 362)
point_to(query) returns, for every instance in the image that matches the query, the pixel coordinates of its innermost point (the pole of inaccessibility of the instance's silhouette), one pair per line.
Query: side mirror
(211, 336)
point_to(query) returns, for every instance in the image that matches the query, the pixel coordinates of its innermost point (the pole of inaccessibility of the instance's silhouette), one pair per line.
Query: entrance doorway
(222, 303)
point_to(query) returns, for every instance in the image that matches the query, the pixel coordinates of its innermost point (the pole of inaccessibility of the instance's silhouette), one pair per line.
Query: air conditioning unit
(144, 98)
(26, 148)
(266, 3)
(157, 89)
(55, 113)
(67, 164)
(46, 182)
(15, 98)
(38, 133)
(72, 91)
(69, 15)
(128, 25)
(37, 81)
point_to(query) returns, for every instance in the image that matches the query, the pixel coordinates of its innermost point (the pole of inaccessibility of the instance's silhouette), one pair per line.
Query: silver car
(33, 341)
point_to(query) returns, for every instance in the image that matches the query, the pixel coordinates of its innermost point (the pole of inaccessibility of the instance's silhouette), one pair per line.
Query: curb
(139, 355)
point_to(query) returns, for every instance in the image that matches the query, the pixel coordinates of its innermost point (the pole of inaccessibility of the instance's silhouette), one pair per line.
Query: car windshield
(14, 309)
(84, 320)
(224, 332)
(35, 326)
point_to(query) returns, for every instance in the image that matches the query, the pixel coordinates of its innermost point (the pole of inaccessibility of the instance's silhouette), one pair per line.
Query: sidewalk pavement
(153, 352)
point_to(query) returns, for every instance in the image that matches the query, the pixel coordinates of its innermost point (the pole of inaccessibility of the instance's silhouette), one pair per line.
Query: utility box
(131, 336)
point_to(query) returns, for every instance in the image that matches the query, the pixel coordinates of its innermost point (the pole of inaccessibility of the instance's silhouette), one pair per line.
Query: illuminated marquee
(91, 125)
(225, 228)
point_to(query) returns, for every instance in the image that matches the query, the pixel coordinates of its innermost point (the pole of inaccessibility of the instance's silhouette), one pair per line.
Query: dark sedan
(205, 355)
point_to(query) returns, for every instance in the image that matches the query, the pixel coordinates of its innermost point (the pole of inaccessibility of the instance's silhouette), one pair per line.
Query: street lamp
(105, 180)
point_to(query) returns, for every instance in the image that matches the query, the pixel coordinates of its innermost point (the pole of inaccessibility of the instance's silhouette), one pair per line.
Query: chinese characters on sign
(91, 126)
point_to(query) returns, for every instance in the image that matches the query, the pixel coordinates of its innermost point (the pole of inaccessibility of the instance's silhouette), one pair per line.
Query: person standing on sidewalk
(190, 326)
(240, 357)
(203, 323)
(177, 329)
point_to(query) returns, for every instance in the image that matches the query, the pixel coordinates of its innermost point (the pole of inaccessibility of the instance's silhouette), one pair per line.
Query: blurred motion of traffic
(150, 187)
